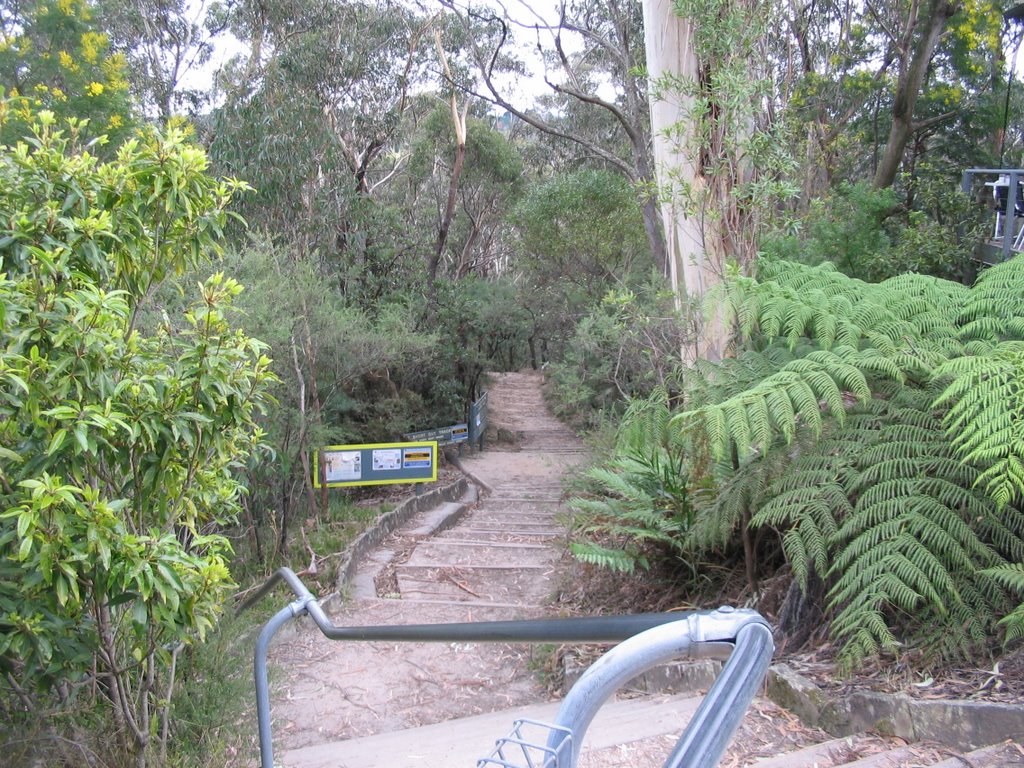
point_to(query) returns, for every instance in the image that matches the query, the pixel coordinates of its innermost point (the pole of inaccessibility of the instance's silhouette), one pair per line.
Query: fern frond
(1011, 577)
(1004, 531)
(605, 557)
(995, 306)
(986, 416)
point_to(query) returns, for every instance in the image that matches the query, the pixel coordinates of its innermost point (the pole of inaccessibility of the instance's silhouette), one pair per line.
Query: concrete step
(503, 585)
(470, 603)
(467, 551)
(996, 756)
(471, 570)
(500, 516)
(480, 556)
(507, 537)
(847, 751)
(460, 743)
(512, 522)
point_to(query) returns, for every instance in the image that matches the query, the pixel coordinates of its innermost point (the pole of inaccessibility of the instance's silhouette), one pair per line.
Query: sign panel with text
(340, 466)
(457, 433)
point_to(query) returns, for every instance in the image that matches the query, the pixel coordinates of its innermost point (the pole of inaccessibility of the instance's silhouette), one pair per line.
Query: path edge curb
(387, 523)
(957, 723)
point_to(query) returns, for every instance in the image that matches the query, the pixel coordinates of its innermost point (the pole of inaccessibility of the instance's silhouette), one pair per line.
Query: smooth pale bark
(694, 247)
(459, 126)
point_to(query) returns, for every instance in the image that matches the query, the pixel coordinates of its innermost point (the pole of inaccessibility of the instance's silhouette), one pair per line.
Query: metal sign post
(478, 421)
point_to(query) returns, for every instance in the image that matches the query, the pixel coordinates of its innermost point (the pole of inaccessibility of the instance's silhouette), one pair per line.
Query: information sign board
(457, 433)
(340, 466)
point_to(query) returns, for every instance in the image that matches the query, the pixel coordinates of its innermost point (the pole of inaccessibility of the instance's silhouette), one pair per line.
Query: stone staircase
(498, 557)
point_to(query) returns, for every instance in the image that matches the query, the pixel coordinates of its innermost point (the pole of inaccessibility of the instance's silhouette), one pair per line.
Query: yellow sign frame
(376, 464)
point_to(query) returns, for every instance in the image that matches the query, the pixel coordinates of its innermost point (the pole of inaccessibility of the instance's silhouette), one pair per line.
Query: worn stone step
(827, 753)
(502, 585)
(459, 743)
(901, 757)
(462, 554)
(472, 605)
(997, 756)
(507, 537)
(491, 517)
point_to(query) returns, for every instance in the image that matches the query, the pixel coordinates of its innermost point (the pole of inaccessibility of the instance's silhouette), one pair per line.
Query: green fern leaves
(876, 429)
(986, 416)
(641, 499)
(904, 499)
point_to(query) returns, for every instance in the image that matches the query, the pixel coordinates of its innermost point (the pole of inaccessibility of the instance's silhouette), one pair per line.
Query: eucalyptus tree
(872, 86)
(593, 58)
(722, 164)
(913, 42)
(315, 111)
(164, 42)
(473, 213)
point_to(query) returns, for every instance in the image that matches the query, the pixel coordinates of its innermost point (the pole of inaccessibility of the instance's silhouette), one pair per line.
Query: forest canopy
(233, 232)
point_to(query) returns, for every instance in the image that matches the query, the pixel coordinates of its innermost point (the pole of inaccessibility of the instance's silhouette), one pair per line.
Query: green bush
(626, 348)
(120, 450)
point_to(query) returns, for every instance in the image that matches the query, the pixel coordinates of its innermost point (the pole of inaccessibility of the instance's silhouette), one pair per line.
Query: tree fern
(888, 514)
(994, 309)
(795, 395)
(877, 429)
(623, 560)
(914, 538)
(1011, 576)
(640, 498)
(986, 417)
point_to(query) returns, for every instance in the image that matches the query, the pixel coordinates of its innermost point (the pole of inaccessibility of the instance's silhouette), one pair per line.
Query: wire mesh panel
(526, 747)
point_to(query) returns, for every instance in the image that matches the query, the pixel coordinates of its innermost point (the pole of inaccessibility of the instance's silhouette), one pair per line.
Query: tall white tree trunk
(695, 252)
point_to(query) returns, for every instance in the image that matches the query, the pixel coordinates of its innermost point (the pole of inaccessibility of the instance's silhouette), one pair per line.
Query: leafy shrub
(866, 233)
(120, 450)
(846, 228)
(625, 349)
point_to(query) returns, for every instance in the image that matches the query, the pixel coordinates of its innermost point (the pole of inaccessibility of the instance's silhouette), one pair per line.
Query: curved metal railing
(740, 637)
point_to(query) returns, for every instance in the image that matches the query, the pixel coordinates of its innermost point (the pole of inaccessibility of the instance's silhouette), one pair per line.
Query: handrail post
(722, 634)
(713, 724)
(278, 620)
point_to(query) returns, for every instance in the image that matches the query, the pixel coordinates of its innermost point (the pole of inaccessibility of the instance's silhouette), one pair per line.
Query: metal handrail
(742, 636)
(1014, 177)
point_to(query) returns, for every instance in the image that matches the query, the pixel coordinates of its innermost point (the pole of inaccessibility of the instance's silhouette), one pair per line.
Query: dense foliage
(419, 212)
(873, 429)
(120, 449)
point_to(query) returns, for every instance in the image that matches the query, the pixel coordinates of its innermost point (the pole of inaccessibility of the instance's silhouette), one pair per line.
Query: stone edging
(954, 723)
(388, 522)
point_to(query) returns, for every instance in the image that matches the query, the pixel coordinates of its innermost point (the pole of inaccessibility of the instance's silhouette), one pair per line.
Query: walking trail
(500, 556)
(499, 560)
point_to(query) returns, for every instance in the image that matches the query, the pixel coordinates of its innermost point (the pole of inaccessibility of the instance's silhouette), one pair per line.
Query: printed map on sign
(342, 465)
(387, 459)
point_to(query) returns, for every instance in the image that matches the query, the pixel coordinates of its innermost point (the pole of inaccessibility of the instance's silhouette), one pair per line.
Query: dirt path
(500, 560)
